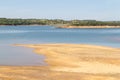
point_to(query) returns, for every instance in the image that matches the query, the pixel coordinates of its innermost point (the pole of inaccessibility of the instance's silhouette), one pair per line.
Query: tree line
(5, 21)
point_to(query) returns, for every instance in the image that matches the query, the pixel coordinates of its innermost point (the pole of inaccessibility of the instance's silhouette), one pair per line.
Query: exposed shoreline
(71, 27)
(71, 61)
(92, 27)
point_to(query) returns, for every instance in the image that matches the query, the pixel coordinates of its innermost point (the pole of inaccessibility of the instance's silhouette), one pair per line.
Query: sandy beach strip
(89, 27)
(69, 61)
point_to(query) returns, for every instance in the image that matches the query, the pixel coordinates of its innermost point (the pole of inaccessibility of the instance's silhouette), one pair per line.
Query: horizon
(100, 10)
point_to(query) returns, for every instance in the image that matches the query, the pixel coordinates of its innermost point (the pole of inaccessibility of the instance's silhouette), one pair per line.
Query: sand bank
(89, 27)
(69, 61)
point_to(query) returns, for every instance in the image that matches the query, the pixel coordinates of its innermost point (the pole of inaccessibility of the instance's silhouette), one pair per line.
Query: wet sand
(68, 61)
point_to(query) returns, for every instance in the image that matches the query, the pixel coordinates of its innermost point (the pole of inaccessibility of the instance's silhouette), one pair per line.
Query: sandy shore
(89, 27)
(69, 61)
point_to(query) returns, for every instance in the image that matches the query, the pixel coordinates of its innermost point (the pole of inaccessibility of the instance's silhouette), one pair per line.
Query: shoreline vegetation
(68, 61)
(58, 23)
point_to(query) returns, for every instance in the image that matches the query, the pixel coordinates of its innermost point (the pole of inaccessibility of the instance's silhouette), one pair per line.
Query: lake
(19, 56)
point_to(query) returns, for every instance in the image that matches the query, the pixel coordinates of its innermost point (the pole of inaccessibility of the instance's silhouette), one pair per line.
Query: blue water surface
(12, 55)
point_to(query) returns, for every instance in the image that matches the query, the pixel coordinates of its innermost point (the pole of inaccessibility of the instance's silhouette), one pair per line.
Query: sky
(61, 9)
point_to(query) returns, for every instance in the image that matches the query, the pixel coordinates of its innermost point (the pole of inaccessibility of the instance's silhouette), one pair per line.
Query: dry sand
(89, 27)
(69, 61)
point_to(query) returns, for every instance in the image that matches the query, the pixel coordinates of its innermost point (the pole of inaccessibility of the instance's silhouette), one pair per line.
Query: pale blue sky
(61, 9)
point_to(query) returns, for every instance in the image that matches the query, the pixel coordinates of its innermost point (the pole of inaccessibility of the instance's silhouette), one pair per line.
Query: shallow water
(19, 56)
(12, 55)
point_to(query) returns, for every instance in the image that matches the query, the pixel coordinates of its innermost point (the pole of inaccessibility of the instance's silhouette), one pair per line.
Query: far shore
(24, 25)
(70, 27)
(68, 61)
(99, 27)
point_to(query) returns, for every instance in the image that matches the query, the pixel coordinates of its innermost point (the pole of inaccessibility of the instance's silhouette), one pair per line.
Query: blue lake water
(12, 55)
